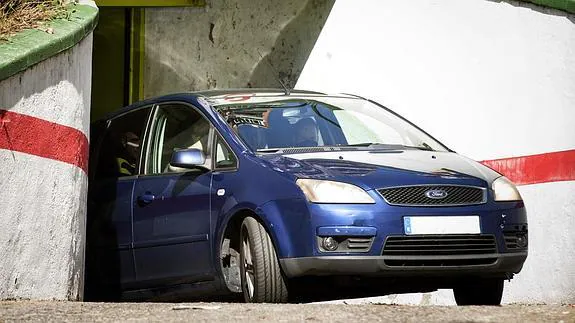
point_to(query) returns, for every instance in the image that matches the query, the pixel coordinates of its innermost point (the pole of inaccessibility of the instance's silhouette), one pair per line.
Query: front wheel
(479, 292)
(261, 276)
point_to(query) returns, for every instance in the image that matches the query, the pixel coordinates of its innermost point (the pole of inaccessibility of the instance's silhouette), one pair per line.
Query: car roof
(222, 96)
(255, 91)
(251, 95)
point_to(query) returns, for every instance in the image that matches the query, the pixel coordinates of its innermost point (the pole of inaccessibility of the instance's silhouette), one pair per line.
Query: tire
(480, 292)
(261, 276)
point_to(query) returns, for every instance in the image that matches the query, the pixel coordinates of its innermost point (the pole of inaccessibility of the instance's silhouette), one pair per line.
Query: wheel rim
(248, 265)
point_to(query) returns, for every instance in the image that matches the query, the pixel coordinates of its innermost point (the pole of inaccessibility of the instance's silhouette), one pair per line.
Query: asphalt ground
(55, 311)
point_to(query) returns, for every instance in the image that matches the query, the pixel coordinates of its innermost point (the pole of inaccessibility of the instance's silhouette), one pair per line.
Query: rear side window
(120, 149)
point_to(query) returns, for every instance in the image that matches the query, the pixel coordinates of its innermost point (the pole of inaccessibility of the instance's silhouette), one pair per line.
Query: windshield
(270, 123)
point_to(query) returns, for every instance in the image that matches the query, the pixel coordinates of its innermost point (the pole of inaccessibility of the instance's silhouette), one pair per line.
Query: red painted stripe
(30, 135)
(542, 168)
(42, 138)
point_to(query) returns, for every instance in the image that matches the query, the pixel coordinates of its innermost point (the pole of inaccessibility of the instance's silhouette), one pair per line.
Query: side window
(224, 158)
(176, 127)
(121, 146)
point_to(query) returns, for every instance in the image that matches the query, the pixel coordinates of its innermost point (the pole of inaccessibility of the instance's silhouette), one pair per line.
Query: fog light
(522, 241)
(329, 244)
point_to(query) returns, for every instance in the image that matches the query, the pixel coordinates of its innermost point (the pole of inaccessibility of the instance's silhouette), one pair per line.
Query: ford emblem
(436, 194)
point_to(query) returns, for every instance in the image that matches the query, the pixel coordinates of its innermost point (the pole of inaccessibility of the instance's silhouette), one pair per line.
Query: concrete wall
(44, 125)
(490, 79)
(217, 46)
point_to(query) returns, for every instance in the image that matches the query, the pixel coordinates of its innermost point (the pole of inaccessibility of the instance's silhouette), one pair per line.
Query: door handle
(146, 199)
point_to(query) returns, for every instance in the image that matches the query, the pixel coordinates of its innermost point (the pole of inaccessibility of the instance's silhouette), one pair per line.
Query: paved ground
(222, 312)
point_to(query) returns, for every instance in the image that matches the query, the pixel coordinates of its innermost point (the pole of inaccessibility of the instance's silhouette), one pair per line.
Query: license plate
(441, 225)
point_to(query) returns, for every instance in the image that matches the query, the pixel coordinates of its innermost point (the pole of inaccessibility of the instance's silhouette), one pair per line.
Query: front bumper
(504, 266)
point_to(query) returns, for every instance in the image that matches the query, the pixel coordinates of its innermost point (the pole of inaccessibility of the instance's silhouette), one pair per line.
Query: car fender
(288, 222)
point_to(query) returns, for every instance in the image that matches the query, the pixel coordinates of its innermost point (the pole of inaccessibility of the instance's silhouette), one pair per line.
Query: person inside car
(126, 161)
(305, 133)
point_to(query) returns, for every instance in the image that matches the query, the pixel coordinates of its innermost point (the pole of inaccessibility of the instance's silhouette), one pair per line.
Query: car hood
(384, 168)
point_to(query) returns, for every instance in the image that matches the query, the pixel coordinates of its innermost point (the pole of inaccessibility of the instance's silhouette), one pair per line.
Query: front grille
(439, 262)
(440, 250)
(435, 245)
(417, 195)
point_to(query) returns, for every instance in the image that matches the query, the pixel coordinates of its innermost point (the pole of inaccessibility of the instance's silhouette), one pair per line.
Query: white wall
(549, 272)
(489, 79)
(43, 201)
(474, 73)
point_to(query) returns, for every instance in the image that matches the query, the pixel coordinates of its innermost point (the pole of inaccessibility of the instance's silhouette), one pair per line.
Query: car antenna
(276, 75)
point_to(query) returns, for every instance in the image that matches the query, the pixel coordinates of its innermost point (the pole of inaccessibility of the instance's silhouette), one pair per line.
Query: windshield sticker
(238, 98)
(237, 119)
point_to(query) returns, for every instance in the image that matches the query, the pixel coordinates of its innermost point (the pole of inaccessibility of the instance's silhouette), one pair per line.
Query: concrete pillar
(44, 130)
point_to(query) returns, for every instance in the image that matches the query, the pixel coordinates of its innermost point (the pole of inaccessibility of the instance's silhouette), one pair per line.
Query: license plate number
(441, 225)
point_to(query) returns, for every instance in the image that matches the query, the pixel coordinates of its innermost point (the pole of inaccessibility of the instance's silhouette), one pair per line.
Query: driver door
(171, 205)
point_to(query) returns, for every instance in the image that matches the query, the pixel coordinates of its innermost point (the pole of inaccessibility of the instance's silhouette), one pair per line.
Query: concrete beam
(219, 46)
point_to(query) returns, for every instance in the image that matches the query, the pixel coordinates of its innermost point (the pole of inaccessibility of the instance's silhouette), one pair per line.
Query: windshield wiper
(420, 148)
(268, 150)
(424, 146)
(374, 144)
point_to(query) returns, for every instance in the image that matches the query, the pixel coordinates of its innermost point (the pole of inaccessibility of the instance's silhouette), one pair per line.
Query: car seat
(279, 131)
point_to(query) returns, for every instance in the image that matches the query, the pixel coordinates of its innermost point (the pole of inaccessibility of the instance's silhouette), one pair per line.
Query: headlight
(505, 190)
(320, 191)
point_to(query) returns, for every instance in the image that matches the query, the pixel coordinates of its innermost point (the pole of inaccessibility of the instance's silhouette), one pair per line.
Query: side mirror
(188, 158)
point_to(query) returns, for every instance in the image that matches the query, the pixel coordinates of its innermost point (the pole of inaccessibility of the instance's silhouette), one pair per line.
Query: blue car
(275, 197)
